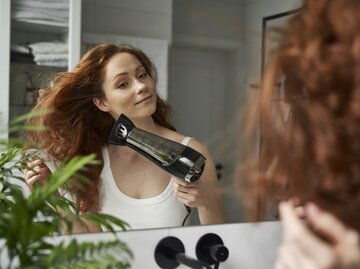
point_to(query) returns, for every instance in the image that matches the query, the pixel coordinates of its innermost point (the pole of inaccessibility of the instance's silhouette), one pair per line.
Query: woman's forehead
(122, 63)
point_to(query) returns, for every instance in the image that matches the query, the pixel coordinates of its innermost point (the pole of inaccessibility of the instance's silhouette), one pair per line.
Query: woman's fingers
(298, 232)
(345, 242)
(34, 168)
(183, 194)
(37, 171)
(325, 223)
(291, 222)
(189, 190)
(33, 164)
(32, 180)
(30, 173)
(188, 193)
(304, 239)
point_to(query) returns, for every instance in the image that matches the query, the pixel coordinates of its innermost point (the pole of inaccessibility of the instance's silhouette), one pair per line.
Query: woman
(309, 146)
(110, 80)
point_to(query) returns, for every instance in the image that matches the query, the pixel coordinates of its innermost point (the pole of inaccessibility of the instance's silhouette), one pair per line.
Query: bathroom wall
(144, 24)
(255, 10)
(141, 18)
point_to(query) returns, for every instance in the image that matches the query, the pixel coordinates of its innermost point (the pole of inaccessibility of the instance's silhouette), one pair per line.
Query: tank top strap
(186, 140)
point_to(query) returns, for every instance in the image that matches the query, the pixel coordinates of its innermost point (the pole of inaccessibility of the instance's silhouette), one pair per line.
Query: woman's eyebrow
(126, 73)
(119, 75)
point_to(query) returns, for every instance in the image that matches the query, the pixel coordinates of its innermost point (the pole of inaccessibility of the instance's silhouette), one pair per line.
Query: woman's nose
(139, 86)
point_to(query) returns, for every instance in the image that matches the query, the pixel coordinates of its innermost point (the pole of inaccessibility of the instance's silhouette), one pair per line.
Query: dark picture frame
(268, 23)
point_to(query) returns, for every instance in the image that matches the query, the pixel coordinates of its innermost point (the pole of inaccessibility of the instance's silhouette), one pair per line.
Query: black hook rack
(170, 253)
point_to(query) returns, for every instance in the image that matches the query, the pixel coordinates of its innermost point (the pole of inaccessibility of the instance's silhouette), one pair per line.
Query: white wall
(255, 10)
(141, 18)
(216, 28)
(146, 24)
(4, 66)
(214, 25)
(217, 25)
(210, 23)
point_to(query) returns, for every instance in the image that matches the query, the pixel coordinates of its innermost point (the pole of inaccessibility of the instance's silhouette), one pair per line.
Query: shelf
(37, 66)
(49, 27)
(14, 75)
(20, 73)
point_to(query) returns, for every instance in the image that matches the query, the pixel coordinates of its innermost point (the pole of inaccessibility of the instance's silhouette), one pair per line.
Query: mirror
(210, 55)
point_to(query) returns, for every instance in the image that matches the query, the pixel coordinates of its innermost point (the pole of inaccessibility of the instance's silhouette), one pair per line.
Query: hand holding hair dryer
(175, 158)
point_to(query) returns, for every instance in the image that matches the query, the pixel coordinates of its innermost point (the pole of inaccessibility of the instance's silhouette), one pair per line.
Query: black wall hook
(210, 249)
(170, 253)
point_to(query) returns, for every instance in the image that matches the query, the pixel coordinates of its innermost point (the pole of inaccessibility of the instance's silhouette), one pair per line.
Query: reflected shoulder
(199, 146)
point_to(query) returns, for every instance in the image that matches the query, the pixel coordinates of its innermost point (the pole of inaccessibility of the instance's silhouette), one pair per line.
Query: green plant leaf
(58, 179)
(28, 222)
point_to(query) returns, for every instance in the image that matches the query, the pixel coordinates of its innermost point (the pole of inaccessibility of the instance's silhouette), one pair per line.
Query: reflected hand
(195, 194)
(36, 173)
(303, 248)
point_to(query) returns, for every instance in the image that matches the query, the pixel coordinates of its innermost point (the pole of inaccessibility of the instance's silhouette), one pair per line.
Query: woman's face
(128, 88)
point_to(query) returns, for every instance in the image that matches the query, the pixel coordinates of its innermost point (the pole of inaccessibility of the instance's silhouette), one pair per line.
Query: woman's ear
(100, 104)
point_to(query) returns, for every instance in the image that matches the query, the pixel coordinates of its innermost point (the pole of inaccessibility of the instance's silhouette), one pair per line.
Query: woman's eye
(123, 85)
(143, 75)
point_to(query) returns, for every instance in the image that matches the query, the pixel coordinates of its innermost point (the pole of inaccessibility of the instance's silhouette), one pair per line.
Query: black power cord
(188, 209)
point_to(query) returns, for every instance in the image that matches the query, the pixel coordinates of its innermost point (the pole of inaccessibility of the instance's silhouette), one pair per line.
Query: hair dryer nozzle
(121, 130)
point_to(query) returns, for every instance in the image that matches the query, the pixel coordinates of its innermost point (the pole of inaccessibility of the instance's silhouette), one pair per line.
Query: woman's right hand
(36, 173)
(303, 248)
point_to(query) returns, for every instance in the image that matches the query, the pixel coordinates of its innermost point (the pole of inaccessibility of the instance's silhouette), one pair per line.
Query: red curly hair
(310, 136)
(77, 126)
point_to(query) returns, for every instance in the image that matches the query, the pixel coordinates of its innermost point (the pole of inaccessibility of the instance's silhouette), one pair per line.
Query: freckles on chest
(140, 180)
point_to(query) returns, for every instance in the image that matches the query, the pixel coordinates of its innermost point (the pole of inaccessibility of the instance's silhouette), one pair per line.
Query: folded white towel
(49, 47)
(20, 48)
(60, 63)
(55, 4)
(47, 14)
(44, 22)
(51, 57)
(41, 1)
(46, 1)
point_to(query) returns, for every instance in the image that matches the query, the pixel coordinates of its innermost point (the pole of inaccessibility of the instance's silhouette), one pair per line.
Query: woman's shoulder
(192, 141)
(172, 135)
(199, 146)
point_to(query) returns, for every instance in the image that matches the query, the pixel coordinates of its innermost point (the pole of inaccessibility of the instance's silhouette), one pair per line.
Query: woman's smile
(145, 100)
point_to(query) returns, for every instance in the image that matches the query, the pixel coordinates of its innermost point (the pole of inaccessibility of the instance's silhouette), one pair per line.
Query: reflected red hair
(310, 138)
(77, 126)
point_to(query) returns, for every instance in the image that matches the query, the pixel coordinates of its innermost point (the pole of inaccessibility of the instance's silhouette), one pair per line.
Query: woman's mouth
(147, 99)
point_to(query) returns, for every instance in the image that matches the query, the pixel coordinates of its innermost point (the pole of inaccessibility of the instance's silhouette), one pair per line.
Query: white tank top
(163, 210)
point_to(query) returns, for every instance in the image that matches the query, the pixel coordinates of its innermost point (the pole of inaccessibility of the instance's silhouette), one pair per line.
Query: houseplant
(28, 222)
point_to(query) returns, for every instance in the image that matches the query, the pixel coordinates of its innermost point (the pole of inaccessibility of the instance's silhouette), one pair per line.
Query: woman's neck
(148, 125)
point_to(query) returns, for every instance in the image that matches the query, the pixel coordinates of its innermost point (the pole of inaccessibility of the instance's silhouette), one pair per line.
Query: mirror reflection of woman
(110, 80)
(310, 151)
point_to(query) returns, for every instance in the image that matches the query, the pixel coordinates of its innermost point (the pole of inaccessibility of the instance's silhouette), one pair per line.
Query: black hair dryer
(175, 158)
